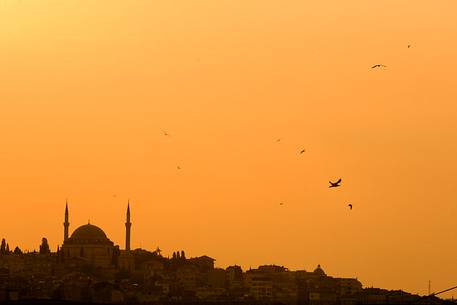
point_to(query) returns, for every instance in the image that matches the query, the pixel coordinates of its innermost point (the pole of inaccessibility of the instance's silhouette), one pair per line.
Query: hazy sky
(88, 87)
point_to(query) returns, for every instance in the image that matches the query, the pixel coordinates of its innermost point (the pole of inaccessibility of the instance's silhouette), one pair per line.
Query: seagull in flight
(350, 206)
(335, 184)
(409, 46)
(165, 133)
(302, 151)
(378, 66)
(278, 140)
(281, 203)
(178, 167)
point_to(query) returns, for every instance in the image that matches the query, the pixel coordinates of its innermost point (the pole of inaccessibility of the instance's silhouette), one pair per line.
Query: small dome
(88, 234)
(319, 271)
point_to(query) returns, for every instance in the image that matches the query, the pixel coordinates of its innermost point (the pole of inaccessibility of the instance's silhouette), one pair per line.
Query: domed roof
(319, 270)
(88, 234)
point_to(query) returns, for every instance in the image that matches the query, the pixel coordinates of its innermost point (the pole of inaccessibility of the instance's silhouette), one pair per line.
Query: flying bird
(350, 206)
(335, 184)
(165, 133)
(178, 167)
(378, 66)
(302, 151)
(281, 203)
(278, 140)
(409, 46)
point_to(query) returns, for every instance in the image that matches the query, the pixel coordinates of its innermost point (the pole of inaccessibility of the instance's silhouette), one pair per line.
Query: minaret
(66, 224)
(128, 224)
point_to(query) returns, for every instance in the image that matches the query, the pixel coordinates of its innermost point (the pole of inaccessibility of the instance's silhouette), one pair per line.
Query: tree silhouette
(44, 247)
(17, 251)
(3, 247)
(183, 255)
(7, 248)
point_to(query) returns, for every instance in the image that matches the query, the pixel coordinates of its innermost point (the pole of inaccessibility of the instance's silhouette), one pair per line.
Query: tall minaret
(128, 224)
(66, 224)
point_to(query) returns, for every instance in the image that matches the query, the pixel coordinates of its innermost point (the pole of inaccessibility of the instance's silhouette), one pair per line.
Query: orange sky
(87, 88)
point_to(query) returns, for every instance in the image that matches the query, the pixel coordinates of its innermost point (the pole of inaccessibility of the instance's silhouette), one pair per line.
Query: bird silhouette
(178, 167)
(302, 151)
(350, 206)
(409, 46)
(281, 203)
(165, 133)
(278, 140)
(378, 66)
(335, 184)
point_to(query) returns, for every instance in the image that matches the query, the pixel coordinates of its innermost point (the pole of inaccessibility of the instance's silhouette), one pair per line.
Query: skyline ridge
(223, 123)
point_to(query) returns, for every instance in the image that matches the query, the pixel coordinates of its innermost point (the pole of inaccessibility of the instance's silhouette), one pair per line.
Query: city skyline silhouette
(223, 124)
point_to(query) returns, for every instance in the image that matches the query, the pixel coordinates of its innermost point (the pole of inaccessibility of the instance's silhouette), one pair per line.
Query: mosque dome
(319, 271)
(89, 234)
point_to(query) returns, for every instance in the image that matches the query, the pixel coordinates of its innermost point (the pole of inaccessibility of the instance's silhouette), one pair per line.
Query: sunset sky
(87, 89)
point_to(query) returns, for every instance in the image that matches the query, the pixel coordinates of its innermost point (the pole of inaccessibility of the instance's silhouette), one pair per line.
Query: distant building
(217, 278)
(91, 245)
(273, 283)
(187, 278)
(348, 286)
(235, 282)
(153, 269)
(319, 271)
(204, 263)
(259, 285)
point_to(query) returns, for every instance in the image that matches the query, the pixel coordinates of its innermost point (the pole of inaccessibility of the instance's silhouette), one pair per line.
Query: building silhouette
(89, 268)
(89, 244)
